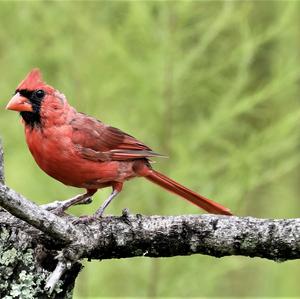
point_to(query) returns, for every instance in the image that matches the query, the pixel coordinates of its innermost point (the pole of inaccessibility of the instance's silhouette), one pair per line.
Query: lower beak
(19, 103)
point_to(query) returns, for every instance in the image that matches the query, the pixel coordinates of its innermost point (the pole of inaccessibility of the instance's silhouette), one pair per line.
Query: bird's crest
(32, 81)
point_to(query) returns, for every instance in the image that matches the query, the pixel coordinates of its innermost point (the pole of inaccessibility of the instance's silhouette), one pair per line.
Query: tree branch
(158, 236)
(166, 236)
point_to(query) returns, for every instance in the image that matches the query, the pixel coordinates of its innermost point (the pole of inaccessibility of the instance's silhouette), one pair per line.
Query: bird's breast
(55, 154)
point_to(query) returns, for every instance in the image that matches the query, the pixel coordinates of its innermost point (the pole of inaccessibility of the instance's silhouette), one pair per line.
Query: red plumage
(81, 151)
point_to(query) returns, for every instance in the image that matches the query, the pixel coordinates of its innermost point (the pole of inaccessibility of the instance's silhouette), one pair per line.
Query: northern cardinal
(79, 150)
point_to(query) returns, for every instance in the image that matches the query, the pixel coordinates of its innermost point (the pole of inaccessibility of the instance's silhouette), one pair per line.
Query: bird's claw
(58, 208)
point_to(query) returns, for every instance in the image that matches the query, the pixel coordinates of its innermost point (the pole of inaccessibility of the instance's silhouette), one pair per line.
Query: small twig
(55, 276)
(66, 258)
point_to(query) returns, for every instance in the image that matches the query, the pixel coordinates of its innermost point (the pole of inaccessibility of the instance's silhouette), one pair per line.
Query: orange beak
(19, 103)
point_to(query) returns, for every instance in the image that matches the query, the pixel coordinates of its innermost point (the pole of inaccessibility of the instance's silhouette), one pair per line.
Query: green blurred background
(213, 85)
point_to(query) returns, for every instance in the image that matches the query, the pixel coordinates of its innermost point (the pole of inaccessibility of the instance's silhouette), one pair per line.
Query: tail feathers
(197, 199)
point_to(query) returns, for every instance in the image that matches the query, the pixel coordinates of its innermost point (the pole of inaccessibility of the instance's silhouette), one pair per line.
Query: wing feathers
(99, 142)
(132, 154)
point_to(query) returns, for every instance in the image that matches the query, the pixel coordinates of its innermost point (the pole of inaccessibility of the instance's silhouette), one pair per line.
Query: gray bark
(165, 236)
(26, 264)
(40, 252)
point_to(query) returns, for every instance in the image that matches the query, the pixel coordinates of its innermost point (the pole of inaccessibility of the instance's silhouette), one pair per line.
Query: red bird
(79, 150)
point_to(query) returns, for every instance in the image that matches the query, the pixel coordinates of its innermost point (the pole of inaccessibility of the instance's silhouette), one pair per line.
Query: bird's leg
(59, 207)
(117, 187)
(107, 201)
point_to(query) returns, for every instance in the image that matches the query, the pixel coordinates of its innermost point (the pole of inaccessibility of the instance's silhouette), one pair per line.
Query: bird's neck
(49, 116)
(31, 119)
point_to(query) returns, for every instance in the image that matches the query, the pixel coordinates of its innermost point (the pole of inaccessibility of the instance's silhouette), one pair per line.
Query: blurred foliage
(214, 85)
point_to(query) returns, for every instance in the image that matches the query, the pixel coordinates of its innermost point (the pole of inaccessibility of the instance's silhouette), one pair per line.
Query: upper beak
(19, 103)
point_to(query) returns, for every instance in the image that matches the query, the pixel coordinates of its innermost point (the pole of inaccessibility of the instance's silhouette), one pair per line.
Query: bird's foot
(52, 205)
(57, 208)
(89, 219)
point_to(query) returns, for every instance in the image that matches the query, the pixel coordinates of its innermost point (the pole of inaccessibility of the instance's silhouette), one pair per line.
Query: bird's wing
(99, 142)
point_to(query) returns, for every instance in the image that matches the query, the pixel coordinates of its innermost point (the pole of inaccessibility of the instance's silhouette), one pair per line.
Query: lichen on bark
(25, 266)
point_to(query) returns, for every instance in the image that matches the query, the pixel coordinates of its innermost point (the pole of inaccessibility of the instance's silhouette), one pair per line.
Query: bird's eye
(39, 93)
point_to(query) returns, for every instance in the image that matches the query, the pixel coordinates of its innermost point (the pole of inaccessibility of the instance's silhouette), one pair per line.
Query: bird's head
(33, 95)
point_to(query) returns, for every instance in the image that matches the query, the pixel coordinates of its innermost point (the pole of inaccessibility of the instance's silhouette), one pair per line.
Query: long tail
(197, 199)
